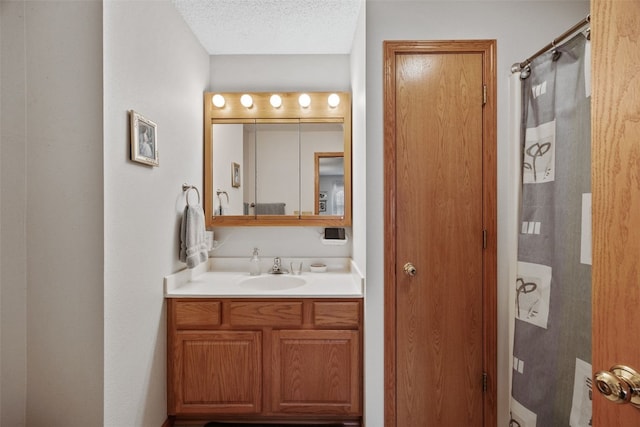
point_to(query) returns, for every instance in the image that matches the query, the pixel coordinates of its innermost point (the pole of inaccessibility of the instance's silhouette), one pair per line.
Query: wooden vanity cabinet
(265, 359)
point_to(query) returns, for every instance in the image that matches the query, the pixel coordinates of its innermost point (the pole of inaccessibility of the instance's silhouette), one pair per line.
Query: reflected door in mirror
(322, 168)
(329, 184)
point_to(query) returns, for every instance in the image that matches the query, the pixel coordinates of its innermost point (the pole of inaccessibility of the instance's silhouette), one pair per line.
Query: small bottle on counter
(254, 263)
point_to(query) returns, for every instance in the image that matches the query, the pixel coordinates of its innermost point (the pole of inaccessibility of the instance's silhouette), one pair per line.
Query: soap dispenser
(254, 264)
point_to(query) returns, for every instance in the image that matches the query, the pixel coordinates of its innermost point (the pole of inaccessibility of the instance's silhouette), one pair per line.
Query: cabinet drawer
(197, 314)
(252, 313)
(336, 314)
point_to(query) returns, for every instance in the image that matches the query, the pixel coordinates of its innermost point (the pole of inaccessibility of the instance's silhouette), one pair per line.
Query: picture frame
(144, 139)
(322, 206)
(235, 175)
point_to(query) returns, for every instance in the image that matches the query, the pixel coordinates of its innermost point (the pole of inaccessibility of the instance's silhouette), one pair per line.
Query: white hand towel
(193, 247)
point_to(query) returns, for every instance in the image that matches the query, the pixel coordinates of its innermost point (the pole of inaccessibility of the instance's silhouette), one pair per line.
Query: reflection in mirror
(329, 185)
(234, 175)
(326, 140)
(277, 169)
(269, 158)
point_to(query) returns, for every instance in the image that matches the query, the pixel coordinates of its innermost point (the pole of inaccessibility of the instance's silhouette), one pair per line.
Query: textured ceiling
(254, 27)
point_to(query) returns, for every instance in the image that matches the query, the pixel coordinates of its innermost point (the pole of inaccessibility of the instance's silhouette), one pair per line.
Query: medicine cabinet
(281, 159)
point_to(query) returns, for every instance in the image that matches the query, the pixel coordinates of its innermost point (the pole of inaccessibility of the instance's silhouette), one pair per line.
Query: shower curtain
(551, 376)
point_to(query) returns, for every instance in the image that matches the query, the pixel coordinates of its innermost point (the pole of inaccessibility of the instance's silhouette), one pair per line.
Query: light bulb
(304, 100)
(333, 100)
(246, 100)
(275, 101)
(218, 100)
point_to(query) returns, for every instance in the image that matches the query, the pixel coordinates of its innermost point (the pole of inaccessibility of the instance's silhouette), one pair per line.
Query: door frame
(489, 212)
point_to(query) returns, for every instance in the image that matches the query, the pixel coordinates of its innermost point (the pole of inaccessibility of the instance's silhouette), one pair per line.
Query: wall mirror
(277, 159)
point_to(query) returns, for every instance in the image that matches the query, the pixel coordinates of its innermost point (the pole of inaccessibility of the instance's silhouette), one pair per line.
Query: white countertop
(222, 277)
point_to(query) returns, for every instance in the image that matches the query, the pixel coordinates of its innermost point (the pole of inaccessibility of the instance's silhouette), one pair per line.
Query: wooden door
(616, 197)
(440, 197)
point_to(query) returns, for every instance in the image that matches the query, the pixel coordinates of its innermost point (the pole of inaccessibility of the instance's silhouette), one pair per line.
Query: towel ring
(219, 192)
(187, 188)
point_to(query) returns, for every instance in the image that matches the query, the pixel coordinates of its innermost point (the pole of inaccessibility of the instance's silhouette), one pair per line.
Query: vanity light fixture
(276, 101)
(246, 101)
(218, 100)
(333, 100)
(304, 100)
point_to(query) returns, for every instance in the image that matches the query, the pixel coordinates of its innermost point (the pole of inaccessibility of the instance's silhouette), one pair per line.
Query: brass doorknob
(409, 269)
(620, 384)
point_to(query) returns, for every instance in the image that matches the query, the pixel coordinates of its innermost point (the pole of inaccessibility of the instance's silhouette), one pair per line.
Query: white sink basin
(272, 282)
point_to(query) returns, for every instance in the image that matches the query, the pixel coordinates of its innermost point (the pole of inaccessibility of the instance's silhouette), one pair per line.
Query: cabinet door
(316, 372)
(217, 372)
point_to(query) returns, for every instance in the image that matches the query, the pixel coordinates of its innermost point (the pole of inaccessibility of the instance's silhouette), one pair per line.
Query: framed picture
(322, 206)
(144, 140)
(235, 175)
(322, 195)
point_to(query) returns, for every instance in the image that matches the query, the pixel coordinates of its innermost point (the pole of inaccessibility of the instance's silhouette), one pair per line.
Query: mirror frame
(318, 111)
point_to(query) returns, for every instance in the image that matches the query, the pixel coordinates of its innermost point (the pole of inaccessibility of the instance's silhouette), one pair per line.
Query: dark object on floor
(215, 424)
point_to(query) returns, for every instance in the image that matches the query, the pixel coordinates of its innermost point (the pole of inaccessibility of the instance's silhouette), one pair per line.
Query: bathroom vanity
(275, 349)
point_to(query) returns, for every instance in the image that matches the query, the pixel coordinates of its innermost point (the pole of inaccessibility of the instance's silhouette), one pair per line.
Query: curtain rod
(518, 66)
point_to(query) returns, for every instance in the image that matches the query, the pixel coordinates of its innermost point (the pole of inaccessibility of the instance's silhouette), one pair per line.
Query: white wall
(51, 213)
(155, 66)
(373, 359)
(520, 28)
(282, 73)
(64, 212)
(359, 141)
(13, 199)
(285, 73)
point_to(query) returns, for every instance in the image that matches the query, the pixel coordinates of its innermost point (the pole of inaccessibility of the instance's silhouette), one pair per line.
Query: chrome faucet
(277, 267)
